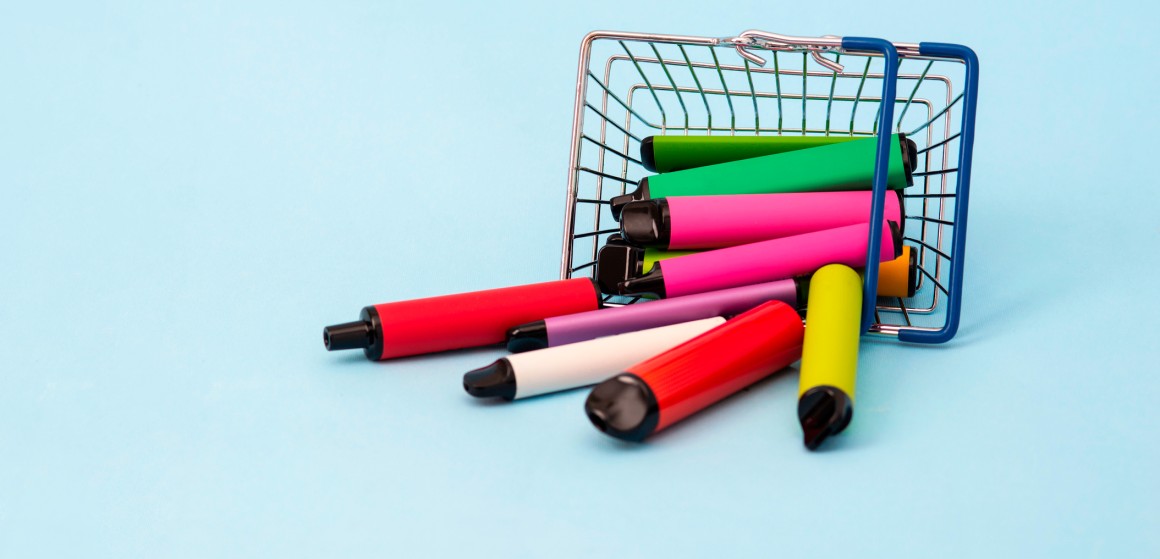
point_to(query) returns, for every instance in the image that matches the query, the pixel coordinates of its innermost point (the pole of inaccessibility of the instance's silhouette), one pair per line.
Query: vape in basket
(704, 222)
(618, 261)
(766, 260)
(665, 154)
(843, 166)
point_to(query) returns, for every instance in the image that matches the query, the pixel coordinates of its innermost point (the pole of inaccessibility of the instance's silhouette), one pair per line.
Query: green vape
(842, 166)
(665, 154)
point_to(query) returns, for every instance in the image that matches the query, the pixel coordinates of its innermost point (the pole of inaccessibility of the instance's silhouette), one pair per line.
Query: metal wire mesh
(632, 86)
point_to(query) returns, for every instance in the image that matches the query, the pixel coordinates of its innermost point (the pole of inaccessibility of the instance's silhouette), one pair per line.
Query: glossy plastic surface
(897, 278)
(845, 166)
(726, 302)
(830, 350)
(706, 369)
(654, 255)
(829, 354)
(675, 153)
(771, 260)
(478, 318)
(589, 362)
(704, 222)
(892, 275)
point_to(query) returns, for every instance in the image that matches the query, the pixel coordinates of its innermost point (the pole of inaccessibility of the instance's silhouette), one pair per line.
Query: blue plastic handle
(881, 165)
(962, 192)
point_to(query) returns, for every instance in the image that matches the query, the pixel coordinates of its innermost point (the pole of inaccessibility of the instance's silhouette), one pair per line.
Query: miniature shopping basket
(633, 85)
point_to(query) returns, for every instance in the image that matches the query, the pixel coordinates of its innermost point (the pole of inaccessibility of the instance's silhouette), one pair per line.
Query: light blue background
(190, 191)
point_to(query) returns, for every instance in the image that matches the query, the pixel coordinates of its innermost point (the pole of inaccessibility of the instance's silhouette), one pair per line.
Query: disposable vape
(580, 364)
(706, 222)
(658, 392)
(619, 261)
(844, 166)
(764, 261)
(572, 328)
(458, 321)
(664, 154)
(830, 354)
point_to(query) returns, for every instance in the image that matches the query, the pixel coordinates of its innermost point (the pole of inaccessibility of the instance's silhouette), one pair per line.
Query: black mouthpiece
(646, 223)
(615, 263)
(646, 155)
(528, 337)
(618, 202)
(802, 289)
(652, 283)
(901, 210)
(895, 237)
(352, 335)
(823, 411)
(497, 380)
(365, 333)
(909, 151)
(623, 407)
(912, 275)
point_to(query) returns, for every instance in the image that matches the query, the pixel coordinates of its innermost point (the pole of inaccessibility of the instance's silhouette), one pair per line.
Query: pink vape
(764, 261)
(706, 222)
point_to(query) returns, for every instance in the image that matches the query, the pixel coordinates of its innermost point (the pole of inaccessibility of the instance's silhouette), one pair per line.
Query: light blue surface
(191, 191)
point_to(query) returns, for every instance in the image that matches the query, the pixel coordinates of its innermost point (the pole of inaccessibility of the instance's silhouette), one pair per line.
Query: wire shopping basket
(633, 85)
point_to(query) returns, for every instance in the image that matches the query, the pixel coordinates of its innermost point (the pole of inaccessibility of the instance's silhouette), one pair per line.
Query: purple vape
(589, 325)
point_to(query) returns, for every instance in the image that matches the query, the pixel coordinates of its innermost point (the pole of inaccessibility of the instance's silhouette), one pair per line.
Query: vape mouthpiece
(617, 202)
(497, 380)
(351, 335)
(896, 237)
(652, 283)
(646, 223)
(623, 407)
(528, 337)
(615, 263)
(647, 155)
(823, 411)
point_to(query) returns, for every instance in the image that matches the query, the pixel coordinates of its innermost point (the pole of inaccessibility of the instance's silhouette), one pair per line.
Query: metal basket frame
(639, 90)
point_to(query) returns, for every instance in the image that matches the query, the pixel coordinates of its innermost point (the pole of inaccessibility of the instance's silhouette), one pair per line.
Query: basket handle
(962, 192)
(815, 45)
(881, 165)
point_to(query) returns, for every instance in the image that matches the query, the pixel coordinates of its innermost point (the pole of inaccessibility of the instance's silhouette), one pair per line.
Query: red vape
(669, 387)
(458, 321)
